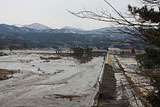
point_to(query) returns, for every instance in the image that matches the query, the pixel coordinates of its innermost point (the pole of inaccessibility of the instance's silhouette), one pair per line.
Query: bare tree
(142, 23)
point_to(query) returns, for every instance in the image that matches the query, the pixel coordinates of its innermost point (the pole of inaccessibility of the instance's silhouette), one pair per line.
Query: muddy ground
(56, 83)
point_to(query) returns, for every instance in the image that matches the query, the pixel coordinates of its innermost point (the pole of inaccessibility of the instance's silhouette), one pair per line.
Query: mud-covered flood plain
(54, 82)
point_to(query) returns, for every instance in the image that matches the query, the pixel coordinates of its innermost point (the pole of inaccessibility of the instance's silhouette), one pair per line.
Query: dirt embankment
(107, 96)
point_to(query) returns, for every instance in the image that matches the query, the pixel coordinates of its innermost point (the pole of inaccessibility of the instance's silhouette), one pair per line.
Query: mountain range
(43, 28)
(36, 27)
(40, 36)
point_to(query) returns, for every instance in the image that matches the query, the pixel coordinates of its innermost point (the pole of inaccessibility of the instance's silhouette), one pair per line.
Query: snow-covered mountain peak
(37, 26)
(72, 28)
(18, 25)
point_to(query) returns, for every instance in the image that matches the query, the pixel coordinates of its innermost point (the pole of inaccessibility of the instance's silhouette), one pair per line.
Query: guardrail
(99, 82)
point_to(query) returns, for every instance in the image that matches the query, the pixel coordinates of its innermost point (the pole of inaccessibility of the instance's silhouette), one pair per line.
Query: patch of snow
(37, 26)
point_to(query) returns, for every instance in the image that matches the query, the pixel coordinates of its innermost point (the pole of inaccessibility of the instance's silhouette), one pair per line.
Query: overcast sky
(53, 13)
